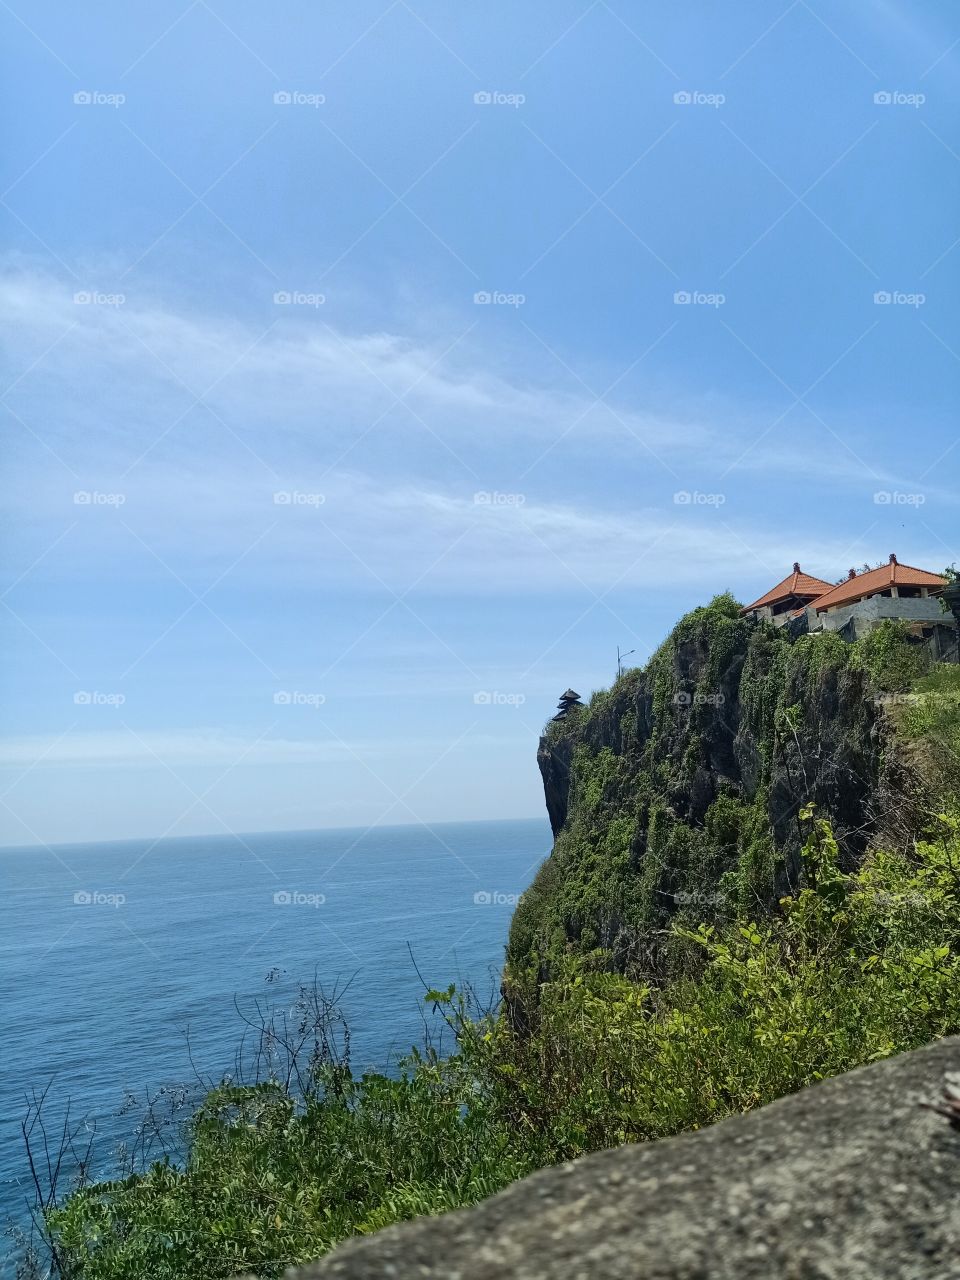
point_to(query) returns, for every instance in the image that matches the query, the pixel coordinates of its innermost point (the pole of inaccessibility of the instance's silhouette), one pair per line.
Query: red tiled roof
(876, 580)
(796, 583)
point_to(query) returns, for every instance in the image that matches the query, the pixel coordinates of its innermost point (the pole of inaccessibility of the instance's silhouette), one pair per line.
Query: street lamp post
(620, 658)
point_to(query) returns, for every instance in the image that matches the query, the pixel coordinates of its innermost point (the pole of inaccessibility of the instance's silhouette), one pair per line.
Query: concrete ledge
(876, 608)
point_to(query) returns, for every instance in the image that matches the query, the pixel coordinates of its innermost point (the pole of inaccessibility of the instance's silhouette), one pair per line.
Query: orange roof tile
(876, 580)
(796, 583)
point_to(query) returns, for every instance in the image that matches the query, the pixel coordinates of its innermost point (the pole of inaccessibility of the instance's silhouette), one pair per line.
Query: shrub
(891, 658)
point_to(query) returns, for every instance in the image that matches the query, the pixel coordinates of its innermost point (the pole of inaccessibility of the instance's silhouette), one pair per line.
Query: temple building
(789, 597)
(861, 601)
(892, 581)
(568, 701)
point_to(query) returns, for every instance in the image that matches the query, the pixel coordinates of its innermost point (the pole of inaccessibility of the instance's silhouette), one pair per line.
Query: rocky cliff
(680, 791)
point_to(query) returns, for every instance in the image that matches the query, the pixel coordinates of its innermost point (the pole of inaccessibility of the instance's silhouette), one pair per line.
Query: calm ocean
(112, 951)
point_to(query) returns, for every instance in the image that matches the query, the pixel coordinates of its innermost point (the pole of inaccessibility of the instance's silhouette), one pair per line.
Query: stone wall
(868, 613)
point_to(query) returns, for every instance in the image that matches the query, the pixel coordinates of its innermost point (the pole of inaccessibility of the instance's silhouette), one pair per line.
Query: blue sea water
(112, 952)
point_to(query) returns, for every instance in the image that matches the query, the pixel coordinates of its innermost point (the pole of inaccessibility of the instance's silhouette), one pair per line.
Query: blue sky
(283, 497)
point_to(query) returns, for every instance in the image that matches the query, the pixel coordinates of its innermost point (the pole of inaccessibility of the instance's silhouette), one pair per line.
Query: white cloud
(294, 410)
(369, 535)
(127, 371)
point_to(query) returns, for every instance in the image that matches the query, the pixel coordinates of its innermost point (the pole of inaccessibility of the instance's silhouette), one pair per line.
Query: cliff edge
(678, 795)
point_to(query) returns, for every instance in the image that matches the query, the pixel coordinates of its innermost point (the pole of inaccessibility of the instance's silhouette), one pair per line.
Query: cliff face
(678, 793)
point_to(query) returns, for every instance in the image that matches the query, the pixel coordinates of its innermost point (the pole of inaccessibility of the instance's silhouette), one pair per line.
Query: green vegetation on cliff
(676, 795)
(849, 970)
(807, 944)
